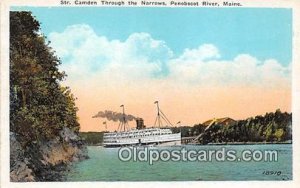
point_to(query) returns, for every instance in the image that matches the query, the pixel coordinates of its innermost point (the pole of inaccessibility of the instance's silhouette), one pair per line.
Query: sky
(199, 63)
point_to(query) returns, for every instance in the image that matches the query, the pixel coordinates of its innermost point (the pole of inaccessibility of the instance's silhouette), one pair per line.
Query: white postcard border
(5, 7)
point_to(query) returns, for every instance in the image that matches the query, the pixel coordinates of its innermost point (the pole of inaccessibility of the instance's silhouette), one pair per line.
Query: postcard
(110, 93)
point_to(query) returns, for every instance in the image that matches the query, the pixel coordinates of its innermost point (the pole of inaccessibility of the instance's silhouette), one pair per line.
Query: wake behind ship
(142, 135)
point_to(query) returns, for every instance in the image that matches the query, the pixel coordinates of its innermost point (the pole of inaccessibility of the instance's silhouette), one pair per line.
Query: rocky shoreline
(45, 161)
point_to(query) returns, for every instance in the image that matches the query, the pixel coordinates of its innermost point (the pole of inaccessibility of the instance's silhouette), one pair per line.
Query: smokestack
(140, 123)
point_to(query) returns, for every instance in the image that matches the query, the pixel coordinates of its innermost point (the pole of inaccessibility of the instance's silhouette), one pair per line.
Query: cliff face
(46, 161)
(19, 170)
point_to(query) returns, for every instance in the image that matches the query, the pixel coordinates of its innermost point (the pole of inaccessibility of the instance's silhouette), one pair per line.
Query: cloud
(203, 52)
(243, 70)
(85, 53)
(105, 73)
(141, 58)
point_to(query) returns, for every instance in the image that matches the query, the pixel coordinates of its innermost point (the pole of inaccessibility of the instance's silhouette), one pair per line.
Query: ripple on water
(104, 165)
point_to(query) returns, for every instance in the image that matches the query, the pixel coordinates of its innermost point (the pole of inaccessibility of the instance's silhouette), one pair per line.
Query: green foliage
(273, 127)
(39, 106)
(92, 138)
(279, 134)
(187, 131)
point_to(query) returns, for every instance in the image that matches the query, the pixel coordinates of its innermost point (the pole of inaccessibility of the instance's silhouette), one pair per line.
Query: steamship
(141, 135)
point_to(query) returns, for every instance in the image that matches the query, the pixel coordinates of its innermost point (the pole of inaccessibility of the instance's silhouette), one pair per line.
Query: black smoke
(114, 116)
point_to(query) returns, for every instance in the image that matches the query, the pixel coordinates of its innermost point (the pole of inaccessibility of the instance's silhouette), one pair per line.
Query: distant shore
(227, 143)
(248, 143)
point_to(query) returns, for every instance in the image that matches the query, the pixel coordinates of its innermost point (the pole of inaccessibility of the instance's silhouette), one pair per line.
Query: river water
(104, 165)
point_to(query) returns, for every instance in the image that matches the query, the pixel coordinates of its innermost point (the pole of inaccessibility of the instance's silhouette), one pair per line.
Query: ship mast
(123, 122)
(160, 116)
(124, 119)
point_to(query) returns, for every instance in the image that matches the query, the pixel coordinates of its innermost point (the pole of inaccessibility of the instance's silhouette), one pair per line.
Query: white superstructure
(142, 135)
(157, 136)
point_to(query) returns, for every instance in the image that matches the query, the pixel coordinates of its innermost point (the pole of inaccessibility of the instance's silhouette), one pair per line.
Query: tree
(39, 106)
(279, 134)
(271, 127)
